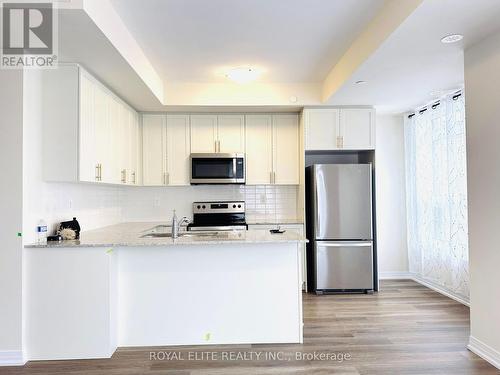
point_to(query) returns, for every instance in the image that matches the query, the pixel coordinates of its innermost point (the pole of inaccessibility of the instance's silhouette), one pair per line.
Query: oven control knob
(234, 206)
(198, 207)
(239, 206)
(203, 206)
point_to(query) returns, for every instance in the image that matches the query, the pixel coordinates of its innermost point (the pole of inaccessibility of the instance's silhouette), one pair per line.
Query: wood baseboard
(486, 352)
(12, 358)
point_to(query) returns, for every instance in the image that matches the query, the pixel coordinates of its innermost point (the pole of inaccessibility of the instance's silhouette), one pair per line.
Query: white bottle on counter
(41, 230)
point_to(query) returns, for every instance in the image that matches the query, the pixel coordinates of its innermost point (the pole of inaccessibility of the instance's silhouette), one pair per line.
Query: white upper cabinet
(87, 137)
(357, 129)
(203, 133)
(154, 150)
(166, 150)
(259, 149)
(286, 149)
(322, 126)
(272, 149)
(94, 124)
(178, 150)
(231, 134)
(339, 129)
(212, 133)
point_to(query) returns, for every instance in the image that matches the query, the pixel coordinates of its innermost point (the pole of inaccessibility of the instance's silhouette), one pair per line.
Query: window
(436, 191)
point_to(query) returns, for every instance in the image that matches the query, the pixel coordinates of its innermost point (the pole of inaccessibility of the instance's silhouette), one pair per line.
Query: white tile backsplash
(266, 204)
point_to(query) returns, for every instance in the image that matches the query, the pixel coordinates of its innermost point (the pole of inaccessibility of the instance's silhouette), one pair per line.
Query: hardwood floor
(404, 329)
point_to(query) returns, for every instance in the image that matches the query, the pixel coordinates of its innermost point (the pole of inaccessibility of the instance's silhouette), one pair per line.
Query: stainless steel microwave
(217, 168)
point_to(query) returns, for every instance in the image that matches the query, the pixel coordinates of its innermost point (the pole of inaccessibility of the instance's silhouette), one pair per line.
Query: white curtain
(437, 196)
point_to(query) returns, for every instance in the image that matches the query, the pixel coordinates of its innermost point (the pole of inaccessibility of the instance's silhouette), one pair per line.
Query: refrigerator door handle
(342, 244)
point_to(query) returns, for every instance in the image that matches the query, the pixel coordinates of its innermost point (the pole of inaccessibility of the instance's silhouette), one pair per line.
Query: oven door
(217, 169)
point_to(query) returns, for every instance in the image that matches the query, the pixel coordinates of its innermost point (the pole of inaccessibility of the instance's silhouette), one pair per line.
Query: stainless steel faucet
(176, 224)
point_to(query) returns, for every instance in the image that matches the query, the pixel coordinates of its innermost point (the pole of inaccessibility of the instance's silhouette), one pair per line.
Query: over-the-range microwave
(217, 168)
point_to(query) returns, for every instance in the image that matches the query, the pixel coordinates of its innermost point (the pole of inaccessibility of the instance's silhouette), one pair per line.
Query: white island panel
(211, 294)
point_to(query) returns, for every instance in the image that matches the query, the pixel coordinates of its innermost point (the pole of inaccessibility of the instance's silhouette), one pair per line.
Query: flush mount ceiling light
(360, 82)
(242, 74)
(453, 38)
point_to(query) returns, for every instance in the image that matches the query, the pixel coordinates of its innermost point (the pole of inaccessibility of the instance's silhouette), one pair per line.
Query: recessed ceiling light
(360, 82)
(242, 74)
(453, 38)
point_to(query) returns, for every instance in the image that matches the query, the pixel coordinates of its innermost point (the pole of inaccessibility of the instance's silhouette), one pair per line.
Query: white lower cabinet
(166, 150)
(272, 149)
(297, 228)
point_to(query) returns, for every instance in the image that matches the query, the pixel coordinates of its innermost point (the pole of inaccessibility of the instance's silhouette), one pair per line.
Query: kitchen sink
(183, 234)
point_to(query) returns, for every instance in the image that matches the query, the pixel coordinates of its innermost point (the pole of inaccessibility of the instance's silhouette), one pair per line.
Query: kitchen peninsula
(119, 286)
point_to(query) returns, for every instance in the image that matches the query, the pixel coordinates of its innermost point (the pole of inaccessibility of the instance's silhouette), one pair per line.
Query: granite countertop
(129, 234)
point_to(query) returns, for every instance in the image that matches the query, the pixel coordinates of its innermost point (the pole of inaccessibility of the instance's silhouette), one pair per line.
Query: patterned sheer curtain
(436, 190)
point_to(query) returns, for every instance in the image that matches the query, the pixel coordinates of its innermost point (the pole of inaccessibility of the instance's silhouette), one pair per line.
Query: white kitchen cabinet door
(357, 128)
(122, 134)
(153, 145)
(231, 134)
(131, 146)
(88, 169)
(203, 133)
(104, 150)
(286, 149)
(135, 148)
(321, 128)
(259, 149)
(178, 150)
(115, 142)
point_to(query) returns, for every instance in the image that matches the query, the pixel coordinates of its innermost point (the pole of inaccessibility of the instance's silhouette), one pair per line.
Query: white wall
(11, 190)
(390, 195)
(482, 88)
(94, 206)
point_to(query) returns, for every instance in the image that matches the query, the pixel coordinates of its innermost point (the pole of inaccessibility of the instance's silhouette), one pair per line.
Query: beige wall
(11, 195)
(390, 190)
(482, 89)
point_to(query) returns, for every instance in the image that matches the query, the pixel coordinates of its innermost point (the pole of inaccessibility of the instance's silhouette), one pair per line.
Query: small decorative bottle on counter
(41, 230)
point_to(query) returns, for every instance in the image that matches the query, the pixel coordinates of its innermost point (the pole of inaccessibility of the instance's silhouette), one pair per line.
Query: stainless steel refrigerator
(340, 227)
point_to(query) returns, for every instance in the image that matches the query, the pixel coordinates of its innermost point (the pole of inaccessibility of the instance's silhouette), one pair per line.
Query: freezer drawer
(344, 265)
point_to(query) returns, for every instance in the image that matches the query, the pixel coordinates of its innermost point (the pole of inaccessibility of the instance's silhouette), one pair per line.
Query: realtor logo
(28, 35)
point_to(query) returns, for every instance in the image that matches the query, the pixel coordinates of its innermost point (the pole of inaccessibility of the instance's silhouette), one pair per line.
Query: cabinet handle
(133, 178)
(168, 179)
(215, 145)
(218, 146)
(100, 171)
(274, 177)
(97, 172)
(270, 177)
(340, 142)
(164, 178)
(124, 176)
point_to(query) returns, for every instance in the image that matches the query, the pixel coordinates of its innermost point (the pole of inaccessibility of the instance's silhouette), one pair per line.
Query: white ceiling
(291, 40)
(296, 41)
(413, 62)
